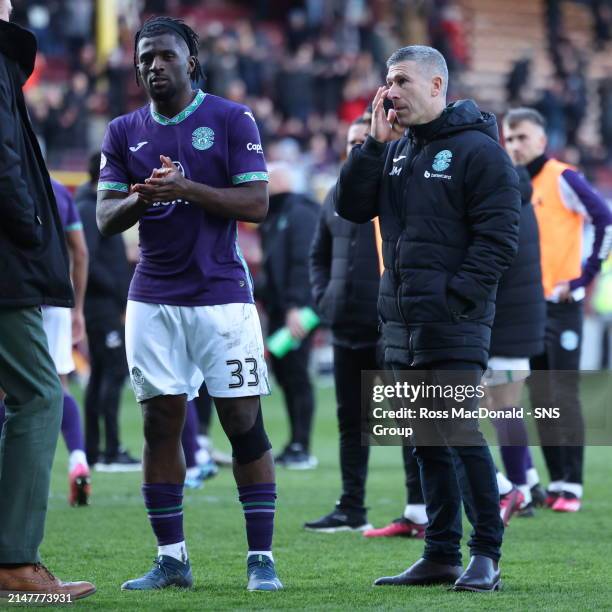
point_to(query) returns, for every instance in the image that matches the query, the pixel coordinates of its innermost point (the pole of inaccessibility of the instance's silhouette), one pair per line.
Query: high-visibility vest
(560, 228)
(378, 240)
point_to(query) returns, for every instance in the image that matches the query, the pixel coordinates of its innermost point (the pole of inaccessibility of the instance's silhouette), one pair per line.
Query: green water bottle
(281, 341)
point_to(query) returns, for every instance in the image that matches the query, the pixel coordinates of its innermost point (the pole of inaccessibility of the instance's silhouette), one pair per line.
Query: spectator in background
(284, 288)
(295, 84)
(552, 107)
(606, 115)
(105, 303)
(517, 80)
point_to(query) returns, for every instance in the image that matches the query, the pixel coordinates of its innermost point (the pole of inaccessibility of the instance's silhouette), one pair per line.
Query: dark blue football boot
(262, 574)
(166, 572)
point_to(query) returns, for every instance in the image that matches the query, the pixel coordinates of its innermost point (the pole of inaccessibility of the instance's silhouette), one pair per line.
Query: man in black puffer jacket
(517, 335)
(449, 205)
(33, 271)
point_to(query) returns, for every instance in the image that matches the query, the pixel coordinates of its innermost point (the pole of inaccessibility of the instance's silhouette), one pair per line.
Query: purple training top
(66, 207)
(188, 257)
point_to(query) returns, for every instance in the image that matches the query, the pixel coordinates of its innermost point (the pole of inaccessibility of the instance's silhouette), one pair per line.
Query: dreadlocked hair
(156, 26)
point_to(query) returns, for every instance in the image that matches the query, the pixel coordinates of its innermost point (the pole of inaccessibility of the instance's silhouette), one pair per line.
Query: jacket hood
(19, 45)
(457, 117)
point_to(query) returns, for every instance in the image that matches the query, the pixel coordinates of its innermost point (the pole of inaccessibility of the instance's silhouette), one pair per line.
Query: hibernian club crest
(442, 160)
(203, 138)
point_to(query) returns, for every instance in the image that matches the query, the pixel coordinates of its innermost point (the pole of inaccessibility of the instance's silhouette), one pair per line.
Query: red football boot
(399, 527)
(80, 486)
(510, 503)
(567, 502)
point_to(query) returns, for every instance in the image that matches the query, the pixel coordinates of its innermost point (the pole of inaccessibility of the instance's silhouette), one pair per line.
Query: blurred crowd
(307, 69)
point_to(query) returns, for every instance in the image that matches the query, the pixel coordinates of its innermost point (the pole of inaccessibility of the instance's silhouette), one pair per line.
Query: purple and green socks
(164, 504)
(259, 505)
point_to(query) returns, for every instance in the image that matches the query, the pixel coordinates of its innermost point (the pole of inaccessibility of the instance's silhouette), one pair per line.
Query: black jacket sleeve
(18, 209)
(303, 220)
(493, 206)
(321, 253)
(359, 182)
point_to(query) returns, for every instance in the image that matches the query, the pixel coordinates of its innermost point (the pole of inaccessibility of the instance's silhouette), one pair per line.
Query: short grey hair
(524, 113)
(424, 56)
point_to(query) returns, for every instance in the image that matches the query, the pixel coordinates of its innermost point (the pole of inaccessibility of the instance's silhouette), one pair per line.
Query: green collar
(186, 112)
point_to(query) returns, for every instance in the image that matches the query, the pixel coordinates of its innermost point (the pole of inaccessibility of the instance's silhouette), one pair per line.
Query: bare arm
(79, 257)
(245, 202)
(115, 212)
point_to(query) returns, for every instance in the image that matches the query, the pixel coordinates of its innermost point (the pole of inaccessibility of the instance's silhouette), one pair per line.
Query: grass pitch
(551, 562)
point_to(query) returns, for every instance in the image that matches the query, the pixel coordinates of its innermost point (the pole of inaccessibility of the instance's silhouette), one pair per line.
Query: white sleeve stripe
(606, 243)
(571, 200)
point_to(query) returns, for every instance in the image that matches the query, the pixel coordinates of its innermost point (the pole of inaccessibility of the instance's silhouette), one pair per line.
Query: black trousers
(443, 466)
(354, 451)
(103, 395)
(557, 385)
(291, 373)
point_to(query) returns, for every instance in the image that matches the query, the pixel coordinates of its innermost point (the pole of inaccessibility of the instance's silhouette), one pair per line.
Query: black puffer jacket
(345, 277)
(286, 236)
(33, 254)
(520, 308)
(449, 205)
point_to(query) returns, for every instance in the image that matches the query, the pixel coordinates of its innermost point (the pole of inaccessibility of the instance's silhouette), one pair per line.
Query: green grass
(550, 562)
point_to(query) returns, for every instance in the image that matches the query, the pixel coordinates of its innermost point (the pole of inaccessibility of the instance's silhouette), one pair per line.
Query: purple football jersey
(66, 207)
(188, 257)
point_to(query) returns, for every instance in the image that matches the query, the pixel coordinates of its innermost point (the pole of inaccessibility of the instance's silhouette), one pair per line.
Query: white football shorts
(503, 370)
(58, 327)
(171, 350)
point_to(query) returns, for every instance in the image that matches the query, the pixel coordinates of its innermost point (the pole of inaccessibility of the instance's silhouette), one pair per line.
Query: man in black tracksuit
(105, 303)
(448, 201)
(284, 288)
(345, 276)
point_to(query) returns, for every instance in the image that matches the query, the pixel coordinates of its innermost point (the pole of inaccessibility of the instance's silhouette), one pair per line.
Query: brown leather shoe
(36, 578)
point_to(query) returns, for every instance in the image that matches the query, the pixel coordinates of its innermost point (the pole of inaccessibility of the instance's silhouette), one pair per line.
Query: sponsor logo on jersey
(396, 159)
(248, 114)
(203, 138)
(253, 146)
(427, 174)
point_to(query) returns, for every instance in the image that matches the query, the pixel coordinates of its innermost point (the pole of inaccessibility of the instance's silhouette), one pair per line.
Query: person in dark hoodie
(345, 268)
(517, 335)
(33, 272)
(283, 287)
(105, 304)
(447, 197)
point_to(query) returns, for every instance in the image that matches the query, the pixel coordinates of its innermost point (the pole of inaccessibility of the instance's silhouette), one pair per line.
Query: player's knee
(160, 425)
(251, 443)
